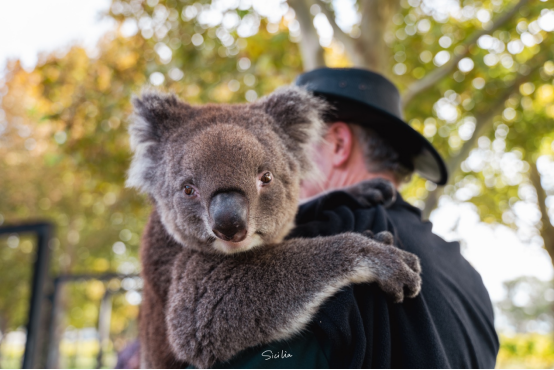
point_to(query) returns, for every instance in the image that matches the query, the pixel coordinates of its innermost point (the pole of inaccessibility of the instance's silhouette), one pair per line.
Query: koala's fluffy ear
(155, 116)
(299, 117)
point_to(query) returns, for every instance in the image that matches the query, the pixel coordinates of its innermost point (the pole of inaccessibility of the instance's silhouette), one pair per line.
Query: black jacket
(449, 325)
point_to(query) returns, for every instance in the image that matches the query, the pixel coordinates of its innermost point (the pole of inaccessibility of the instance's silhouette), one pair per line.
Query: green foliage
(526, 351)
(452, 113)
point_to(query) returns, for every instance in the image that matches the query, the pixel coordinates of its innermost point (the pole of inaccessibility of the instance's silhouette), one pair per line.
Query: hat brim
(409, 143)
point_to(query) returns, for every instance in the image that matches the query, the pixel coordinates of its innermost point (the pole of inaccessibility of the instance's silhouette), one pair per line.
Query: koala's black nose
(229, 216)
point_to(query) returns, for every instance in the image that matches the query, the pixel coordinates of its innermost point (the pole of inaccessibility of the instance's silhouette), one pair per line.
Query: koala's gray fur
(205, 299)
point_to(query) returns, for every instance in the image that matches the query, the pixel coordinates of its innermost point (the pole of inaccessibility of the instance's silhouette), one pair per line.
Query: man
(450, 323)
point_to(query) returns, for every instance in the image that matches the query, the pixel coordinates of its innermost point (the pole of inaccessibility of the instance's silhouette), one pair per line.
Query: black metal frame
(38, 330)
(58, 282)
(43, 232)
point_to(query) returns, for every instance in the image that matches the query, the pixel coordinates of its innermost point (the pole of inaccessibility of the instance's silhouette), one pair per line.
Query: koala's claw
(412, 261)
(368, 234)
(385, 237)
(398, 273)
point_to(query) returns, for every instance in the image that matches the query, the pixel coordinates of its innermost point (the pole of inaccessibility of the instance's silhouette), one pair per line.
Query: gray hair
(379, 155)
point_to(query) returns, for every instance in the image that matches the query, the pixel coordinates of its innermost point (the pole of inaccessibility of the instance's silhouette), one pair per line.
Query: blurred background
(476, 78)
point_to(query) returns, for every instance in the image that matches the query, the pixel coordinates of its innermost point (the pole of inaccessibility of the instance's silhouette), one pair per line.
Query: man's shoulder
(354, 209)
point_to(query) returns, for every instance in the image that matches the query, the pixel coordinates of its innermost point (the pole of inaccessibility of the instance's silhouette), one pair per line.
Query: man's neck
(339, 181)
(342, 179)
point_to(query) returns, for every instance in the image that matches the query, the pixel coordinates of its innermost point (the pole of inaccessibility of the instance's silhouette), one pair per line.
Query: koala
(219, 275)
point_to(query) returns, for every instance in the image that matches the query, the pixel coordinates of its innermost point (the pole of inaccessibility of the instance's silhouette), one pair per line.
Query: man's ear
(341, 137)
(155, 116)
(298, 118)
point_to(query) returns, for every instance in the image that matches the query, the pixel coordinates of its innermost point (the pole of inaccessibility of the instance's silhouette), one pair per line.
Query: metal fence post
(43, 231)
(40, 275)
(104, 320)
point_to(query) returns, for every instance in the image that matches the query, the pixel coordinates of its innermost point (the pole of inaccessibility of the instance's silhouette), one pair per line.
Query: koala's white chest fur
(230, 247)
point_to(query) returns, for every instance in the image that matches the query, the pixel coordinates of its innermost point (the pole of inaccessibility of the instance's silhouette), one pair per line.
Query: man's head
(367, 136)
(351, 153)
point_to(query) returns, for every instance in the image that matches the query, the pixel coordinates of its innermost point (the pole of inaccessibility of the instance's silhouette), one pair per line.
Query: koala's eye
(266, 178)
(189, 190)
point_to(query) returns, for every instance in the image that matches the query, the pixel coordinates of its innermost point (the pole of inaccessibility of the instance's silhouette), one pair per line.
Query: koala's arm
(220, 305)
(158, 252)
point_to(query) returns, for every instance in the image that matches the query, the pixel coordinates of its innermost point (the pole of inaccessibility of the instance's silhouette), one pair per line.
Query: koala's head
(224, 177)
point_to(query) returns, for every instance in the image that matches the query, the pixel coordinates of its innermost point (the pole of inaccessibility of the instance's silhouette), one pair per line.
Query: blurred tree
(468, 72)
(527, 307)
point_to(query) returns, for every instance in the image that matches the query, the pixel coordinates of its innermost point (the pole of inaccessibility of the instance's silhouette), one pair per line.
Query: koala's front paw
(374, 192)
(397, 272)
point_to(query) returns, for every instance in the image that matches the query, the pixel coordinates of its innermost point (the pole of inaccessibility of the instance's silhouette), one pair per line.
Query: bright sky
(28, 27)
(496, 252)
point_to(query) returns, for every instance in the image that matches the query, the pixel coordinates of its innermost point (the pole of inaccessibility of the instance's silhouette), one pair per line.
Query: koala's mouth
(230, 247)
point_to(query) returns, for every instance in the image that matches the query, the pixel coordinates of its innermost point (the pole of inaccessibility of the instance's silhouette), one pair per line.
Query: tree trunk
(369, 50)
(376, 20)
(311, 50)
(547, 229)
(349, 43)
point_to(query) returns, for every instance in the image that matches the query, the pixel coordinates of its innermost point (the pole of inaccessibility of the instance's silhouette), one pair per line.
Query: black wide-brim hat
(370, 100)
